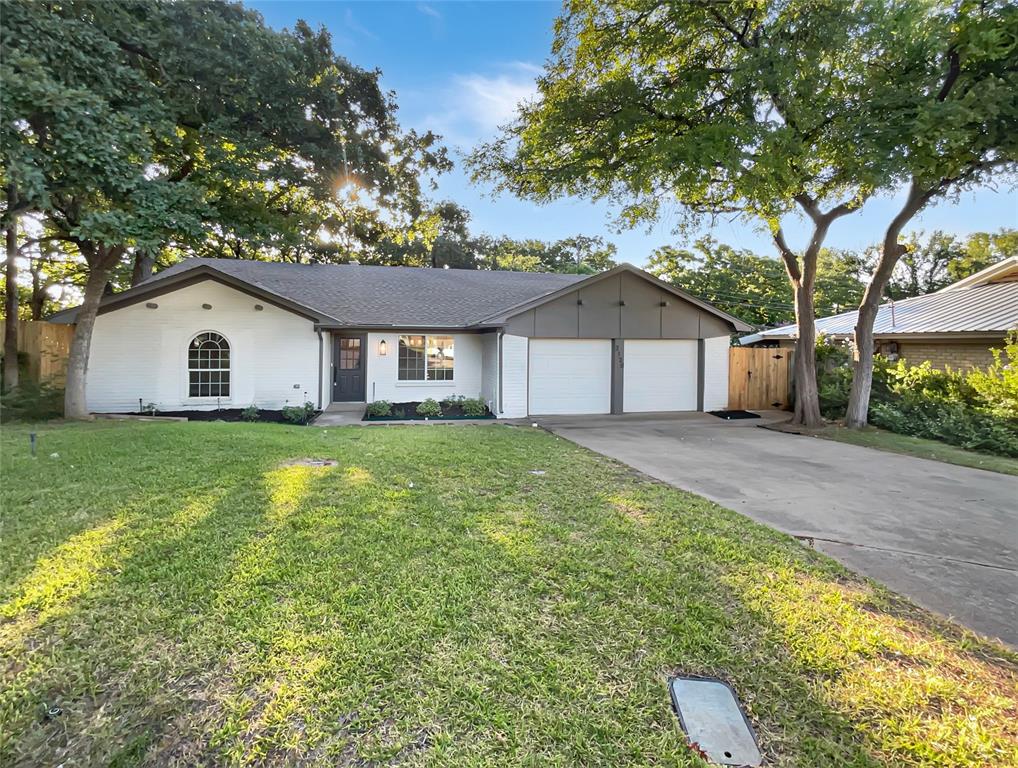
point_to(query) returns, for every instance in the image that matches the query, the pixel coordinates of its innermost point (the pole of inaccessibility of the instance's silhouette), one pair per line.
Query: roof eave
(198, 273)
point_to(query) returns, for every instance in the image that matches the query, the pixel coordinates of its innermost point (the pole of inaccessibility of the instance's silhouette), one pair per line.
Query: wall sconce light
(664, 304)
(622, 303)
(152, 305)
(382, 348)
(206, 306)
(258, 307)
(579, 302)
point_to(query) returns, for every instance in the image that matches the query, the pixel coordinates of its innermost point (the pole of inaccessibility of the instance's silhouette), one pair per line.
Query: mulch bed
(223, 414)
(408, 412)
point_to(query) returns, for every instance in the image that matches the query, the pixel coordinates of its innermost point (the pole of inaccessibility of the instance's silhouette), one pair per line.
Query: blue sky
(459, 68)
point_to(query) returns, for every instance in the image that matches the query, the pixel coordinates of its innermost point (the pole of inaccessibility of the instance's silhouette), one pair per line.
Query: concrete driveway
(945, 536)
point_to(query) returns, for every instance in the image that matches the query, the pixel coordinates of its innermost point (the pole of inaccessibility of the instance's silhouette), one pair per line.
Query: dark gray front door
(348, 368)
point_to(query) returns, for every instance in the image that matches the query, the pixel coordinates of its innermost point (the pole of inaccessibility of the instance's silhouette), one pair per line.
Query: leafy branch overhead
(762, 108)
(133, 127)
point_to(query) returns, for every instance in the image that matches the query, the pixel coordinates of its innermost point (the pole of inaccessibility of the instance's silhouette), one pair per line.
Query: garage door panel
(659, 376)
(570, 376)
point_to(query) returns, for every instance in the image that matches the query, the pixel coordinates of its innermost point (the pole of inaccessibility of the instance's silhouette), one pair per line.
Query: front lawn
(882, 440)
(186, 594)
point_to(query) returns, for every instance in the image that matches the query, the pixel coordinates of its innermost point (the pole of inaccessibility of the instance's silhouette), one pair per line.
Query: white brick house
(210, 333)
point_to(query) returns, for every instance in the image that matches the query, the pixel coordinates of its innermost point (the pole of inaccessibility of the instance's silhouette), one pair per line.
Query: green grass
(188, 597)
(881, 439)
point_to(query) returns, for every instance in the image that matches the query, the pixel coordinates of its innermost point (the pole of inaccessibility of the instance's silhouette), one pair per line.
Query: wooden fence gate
(759, 378)
(46, 347)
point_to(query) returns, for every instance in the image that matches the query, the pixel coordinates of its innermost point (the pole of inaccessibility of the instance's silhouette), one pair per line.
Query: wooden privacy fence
(759, 378)
(46, 347)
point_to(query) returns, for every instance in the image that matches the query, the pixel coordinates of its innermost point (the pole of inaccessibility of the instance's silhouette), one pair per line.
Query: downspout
(498, 380)
(321, 366)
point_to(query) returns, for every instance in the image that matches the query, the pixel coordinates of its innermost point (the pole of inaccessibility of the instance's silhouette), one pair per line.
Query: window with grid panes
(208, 366)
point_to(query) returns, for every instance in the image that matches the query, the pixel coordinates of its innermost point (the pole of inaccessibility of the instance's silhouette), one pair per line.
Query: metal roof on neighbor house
(989, 308)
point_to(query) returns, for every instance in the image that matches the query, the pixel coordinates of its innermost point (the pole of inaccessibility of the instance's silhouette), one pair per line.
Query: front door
(348, 369)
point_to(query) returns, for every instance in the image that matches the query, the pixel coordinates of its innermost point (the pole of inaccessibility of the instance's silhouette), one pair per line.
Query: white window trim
(207, 400)
(425, 382)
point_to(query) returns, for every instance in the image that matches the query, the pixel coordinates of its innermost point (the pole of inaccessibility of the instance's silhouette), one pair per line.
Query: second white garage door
(659, 376)
(570, 376)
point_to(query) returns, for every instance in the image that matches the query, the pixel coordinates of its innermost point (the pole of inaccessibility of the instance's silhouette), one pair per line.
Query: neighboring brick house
(956, 327)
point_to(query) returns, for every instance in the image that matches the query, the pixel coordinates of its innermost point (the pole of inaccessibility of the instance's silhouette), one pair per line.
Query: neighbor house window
(425, 358)
(208, 366)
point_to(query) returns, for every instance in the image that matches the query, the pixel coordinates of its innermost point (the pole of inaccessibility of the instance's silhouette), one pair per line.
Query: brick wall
(944, 354)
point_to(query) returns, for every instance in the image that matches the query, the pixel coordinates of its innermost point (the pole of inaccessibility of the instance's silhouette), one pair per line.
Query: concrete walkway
(945, 536)
(341, 415)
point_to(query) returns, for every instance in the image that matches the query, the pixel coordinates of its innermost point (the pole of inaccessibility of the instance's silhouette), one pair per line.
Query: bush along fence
(43, 349)
(975, 409)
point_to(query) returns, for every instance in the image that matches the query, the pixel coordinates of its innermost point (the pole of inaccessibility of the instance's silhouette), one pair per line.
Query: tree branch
(953, 71)
(787, 255)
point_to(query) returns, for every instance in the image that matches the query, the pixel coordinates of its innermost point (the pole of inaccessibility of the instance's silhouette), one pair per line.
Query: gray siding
(623, 306)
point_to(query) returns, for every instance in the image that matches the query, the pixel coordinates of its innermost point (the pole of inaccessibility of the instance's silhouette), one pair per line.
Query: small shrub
(831, 354)
(379, 408)
(998, 384)
(429, 408)
(32, 402)
(833, 387)
(474, 406)
(977, 410)
(452, 400)
(299, 414)
(250, 413)
(951, 423)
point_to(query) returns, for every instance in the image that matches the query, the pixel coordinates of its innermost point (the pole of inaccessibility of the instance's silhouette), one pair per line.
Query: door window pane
(349, 354)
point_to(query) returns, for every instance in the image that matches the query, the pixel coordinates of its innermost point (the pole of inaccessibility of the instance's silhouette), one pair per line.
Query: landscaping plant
(974, 409)
(451, 401)
(379, 408)
(299, 414)
(473, 406)
(32, 402)
(429, 408)
(998, 384)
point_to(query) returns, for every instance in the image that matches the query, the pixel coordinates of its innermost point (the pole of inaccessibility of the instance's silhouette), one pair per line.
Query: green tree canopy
(748, 107)
(135, 126)
(752, 286)
(764, 107)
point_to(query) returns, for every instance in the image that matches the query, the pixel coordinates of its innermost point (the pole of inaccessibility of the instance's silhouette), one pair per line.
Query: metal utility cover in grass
(711, 716)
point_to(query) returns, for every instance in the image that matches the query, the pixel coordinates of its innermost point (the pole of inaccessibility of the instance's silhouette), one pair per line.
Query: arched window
(208, 366)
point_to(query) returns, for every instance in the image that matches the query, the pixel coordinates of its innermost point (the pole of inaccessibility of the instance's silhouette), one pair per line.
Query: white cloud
(428, 10)
(474, 105)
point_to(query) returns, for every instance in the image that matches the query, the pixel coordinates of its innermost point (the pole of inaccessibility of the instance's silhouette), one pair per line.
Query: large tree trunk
(857, 413)
(802, 276)
(807, 396)
(10, 372)
(100, 267)
(144, 264)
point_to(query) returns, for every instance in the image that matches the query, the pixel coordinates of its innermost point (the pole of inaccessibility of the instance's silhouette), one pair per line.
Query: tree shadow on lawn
(488, 616)
(98, 477)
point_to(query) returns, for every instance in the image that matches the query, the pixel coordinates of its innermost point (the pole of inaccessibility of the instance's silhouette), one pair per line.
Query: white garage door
(659, 376)
(570, 376)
